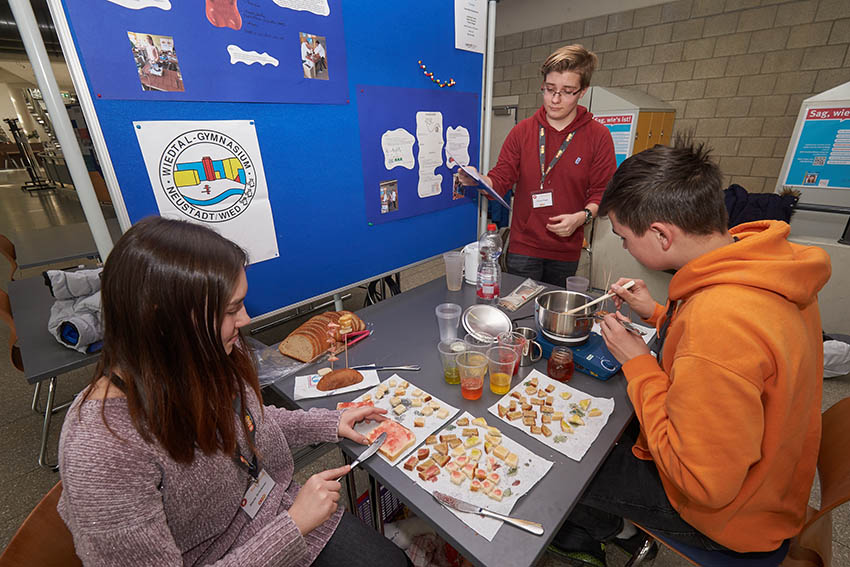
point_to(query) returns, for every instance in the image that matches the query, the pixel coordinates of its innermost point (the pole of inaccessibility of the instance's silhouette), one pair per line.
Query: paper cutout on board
(141, 4)
(318, 7)
(398, 148)
(224, 14)
(211, 172)
(429, 135)
(457, 145)
(238, 55)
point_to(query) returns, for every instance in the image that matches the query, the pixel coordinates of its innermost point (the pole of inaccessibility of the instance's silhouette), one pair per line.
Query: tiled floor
(24, 483)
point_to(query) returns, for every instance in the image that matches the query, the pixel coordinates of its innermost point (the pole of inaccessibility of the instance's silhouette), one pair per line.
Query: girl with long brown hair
(169, 456)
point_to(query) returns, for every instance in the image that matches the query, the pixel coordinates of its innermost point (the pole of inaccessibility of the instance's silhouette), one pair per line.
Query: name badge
(257, 493)
(539, 200)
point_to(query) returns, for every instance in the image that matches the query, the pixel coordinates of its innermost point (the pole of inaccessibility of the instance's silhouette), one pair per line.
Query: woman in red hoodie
(558, 162)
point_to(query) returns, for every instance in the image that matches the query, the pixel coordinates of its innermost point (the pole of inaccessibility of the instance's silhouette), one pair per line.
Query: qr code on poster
(819, 160)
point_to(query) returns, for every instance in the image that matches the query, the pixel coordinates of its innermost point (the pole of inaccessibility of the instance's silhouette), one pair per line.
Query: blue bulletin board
(311, 147)
(821, 157)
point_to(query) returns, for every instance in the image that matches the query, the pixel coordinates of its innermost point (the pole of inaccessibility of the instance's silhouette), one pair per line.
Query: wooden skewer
(575, 310)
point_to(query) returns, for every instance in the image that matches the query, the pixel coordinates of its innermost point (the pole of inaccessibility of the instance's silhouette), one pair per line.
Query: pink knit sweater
(128, 503)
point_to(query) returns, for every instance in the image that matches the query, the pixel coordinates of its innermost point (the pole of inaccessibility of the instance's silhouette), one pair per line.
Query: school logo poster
(211, 172)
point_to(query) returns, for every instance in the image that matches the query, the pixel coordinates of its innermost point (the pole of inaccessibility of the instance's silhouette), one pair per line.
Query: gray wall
(736, 70)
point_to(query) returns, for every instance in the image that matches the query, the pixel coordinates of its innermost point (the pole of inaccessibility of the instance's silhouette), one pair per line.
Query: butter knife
(410, 367)
(463, 506)
(370, 450)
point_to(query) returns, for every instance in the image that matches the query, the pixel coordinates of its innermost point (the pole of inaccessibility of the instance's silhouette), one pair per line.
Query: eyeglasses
(552, 92)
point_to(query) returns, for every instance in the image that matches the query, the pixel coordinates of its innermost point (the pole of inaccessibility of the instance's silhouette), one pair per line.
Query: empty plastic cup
(577, 283)
(448, 318)
(454, 270)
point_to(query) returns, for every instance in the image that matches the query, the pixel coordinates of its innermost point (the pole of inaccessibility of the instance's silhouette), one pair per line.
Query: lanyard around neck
(544, 171)
(253, 467)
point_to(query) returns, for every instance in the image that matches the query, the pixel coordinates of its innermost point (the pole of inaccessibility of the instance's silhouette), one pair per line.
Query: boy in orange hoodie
(729, 411)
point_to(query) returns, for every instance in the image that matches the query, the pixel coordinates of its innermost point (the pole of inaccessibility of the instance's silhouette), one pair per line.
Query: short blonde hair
(573, 58)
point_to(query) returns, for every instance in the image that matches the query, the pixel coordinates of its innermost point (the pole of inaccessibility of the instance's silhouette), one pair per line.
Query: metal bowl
(550, 309)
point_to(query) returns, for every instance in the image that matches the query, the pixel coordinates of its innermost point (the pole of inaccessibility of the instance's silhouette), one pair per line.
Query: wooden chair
(7, 249)
(6, 317)
(43, 539)
(812, 547)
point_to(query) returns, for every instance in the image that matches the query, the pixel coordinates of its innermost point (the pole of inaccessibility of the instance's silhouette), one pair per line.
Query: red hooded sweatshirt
(732, 417)
(578, 179)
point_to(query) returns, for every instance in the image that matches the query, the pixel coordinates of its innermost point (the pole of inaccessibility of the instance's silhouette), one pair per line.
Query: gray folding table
(59, 243)
(405, 332)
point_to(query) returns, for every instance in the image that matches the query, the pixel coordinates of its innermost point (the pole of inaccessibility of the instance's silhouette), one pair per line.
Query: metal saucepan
(549, 312)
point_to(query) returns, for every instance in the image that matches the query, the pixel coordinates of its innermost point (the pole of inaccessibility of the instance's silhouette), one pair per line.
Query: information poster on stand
(821, 157)
(215, 51)
(621, 127)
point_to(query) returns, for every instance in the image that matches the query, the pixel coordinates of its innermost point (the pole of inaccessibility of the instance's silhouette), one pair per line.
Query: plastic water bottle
(489, 273)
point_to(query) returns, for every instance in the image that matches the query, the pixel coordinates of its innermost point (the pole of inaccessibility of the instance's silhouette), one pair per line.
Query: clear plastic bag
(271, 364)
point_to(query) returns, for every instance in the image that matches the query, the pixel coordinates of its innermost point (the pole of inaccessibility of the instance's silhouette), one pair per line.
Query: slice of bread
(310, 339)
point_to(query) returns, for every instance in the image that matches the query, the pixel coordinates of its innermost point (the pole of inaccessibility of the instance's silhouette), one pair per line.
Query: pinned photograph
(314, 59)
(156, 62)
(458, 189)
(389, 196)
(811, 178)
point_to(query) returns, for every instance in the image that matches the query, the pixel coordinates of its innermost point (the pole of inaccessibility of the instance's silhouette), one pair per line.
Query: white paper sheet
(573, 445)
(211, 172)
(519, 481)
(429, 135)
(305, 386)
(457, 145)
(318, 7)
(398, 148)
(471, 25)
(477, 176)
(432, 422)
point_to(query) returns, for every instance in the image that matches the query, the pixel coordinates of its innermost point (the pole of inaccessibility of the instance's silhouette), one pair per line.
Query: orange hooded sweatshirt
(731, 418)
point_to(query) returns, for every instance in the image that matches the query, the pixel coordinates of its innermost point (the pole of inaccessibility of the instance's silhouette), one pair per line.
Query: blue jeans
(553, 272)
(626, 487)
(354, 544)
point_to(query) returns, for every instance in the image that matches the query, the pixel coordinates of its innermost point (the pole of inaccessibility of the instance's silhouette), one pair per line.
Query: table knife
(410, 367)
(463, 506)
(370, 450)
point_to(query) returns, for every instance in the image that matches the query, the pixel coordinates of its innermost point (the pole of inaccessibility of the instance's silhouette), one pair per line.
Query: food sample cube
(494, 477)
(447, 437)
(595, 412)
(442, 448)
(512, 460)
(469, 470)
(418, 422)
(576, 420)
(547, 409)
(496, 494)
(546, 431)
(550, 400)
(565, 427)
(557, 415)
(472, 441)
(379, 394)
(565, 395)
(514, 415)
(536, 402)
(457, 477)
(530, 413)
(550, 388)
(494, 431)
(486, 486)
(475, 486)
(480, 474)
(433, 470)
(366, 398)
(529, 421)
(393, 382)
(426, 411)
(480, 422)
(474, 455)
(533, 382)
(423, 453)
(502, 410)
(410, 463)
(526, 407)
(434, 404)
(454, 443)
(584, 404)
(469, 432)
(451, 466)
(492, 463)
(441, 459)
(431, 440)
(394, 401)
(501, 452)
(512, 405)
(541, 393)
(443, 413)
(545, 418)
(536, 430)
(458, 450)
(417, 392)
(400, 392)
(404, 384)
(399, 409)
(416, 402)
(463, 422)
(516, 394)
(427, 398)
(488, 447)
(425, 464)
(492, 439)
(461, 461)
(531, 390)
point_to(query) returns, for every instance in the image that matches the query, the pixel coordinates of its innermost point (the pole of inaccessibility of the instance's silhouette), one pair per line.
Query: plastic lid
(491, 226)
